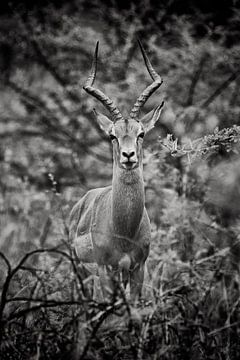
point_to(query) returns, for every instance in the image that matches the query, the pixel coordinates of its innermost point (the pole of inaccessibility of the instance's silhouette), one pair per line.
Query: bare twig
(6, 261)
(45, 231)
(195, 79)
(102, 316)
(220, 89)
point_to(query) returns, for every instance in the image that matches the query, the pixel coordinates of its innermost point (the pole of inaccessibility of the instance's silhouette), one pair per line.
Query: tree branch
(220, 89)
(195, 79)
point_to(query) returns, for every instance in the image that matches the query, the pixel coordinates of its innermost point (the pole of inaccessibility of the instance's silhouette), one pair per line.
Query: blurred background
(52, 152)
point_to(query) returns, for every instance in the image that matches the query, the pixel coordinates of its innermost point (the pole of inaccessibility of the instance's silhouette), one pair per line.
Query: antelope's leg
(84, 248)
(105, 281)
(136, 282)
(125, 277)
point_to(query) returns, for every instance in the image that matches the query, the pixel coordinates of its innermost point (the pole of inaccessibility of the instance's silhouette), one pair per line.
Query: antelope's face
(127, 137)
(126, 134)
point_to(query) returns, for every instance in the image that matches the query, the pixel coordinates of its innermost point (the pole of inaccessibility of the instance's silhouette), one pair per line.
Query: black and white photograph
(120, 180)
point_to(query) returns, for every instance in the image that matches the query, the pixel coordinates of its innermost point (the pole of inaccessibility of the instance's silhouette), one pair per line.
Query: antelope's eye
(141, 135)
(112, 137)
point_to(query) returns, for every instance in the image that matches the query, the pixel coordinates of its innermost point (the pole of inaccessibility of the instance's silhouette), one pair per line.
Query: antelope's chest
(114, 236)
(111, 250)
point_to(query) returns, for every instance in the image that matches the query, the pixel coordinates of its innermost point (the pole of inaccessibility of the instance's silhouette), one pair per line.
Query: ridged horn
(98, 94)
(157, 82)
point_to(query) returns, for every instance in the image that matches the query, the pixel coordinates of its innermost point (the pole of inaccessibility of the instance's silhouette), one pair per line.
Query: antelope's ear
(150, 119)
(103, 121)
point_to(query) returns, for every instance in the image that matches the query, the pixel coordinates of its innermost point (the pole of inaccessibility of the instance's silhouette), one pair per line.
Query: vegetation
(52, 152)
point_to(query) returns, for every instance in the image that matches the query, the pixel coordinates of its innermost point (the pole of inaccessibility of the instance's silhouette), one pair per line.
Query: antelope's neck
(127, 201)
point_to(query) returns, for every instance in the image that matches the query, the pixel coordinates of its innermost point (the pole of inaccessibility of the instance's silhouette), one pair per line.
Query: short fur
(110, 226)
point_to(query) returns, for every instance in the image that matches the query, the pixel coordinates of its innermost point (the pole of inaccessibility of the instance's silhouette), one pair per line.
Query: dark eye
(112, 137)
(141, 135)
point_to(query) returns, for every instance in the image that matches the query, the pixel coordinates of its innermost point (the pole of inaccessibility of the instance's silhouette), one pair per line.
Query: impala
(110, 226)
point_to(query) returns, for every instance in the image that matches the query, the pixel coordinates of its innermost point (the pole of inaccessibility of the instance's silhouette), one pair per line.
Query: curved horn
(98, 94)
(157, 82)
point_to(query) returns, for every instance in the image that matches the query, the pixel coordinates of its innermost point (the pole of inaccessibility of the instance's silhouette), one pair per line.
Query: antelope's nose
(128, 154)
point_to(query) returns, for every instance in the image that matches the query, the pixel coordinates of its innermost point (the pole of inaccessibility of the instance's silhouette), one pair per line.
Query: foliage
(52, 151)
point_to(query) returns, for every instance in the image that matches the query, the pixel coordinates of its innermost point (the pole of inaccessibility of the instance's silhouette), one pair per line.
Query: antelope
(110, 226)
